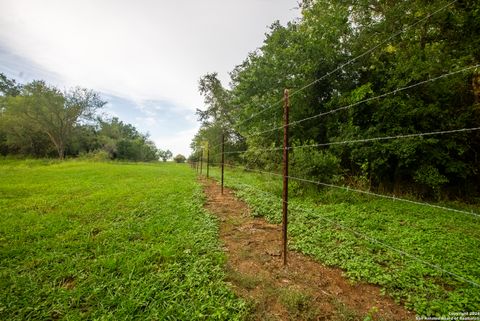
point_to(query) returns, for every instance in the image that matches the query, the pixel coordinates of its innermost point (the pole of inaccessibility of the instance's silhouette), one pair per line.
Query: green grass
(108, 241)
(321, 225)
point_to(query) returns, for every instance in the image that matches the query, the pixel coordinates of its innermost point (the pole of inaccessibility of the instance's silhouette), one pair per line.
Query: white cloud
(138, 49)
(176, 141)
(147, 121)
(141, 51)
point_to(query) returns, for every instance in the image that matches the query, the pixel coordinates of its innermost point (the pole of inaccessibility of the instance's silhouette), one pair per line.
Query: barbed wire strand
(346, 63)
(385, 196)
(393, 92)
(249, 169)
(363, 140)
(346, 188)
(366, 237)
(371, 239)
(373, 48)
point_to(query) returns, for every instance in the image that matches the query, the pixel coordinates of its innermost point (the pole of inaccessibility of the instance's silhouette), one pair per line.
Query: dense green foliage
(106, 241)
(357, 50)
(41, 121)
(337, 227)
(180, 158)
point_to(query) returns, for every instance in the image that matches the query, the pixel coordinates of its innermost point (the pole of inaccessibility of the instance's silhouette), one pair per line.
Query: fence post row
(285, 177)
(285, 172)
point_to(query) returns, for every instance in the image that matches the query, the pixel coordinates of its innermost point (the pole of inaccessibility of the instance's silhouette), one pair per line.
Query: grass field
(361, 234)
(108, 241)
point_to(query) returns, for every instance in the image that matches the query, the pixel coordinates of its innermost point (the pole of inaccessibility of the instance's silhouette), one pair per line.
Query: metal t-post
(223, 158)
(285, 177)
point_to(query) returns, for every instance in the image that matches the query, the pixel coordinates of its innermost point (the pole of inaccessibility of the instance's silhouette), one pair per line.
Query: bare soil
(305, 289)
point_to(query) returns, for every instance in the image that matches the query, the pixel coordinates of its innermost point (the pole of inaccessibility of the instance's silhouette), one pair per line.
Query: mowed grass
(426, 258)
(108, 241)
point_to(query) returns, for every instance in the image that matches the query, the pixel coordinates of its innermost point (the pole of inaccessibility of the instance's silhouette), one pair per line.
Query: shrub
(179, 158)
(317, 165)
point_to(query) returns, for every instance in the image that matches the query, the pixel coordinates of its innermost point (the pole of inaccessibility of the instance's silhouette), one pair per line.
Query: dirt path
(305, 290)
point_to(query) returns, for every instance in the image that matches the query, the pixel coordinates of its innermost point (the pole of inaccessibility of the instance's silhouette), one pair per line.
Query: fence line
(364, 236)
(340, 67)
(384, 196)
(374, 47)
(286, 148)
(393, 92)
(346, 188)
(361, 140)
(294, 123)
(371, 239)
(364, 140)
(255, 188)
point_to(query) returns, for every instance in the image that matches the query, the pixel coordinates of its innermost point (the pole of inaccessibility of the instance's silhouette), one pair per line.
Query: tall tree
(343, 52)
(165, 154)
(52, 112)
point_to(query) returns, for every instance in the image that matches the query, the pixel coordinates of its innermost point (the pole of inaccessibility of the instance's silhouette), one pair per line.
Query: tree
(41, 121)
(123, 141)
(179, 158)
(344, 52)
(217, 119)
(45, 109)
(165, 154)
(8, 87)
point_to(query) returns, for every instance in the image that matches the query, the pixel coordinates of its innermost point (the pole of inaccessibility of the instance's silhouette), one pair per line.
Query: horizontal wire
(260, 112)
(371, 239)
(296, 122)
(244, 151)
(385, 196)
(293, 123)
(363, 192)
(249, 169)
(364, 140)
(361, 140)
(255, 188)
(358, 57)
(372, 49)
(339, 68)
(385, 94)
(389, 137)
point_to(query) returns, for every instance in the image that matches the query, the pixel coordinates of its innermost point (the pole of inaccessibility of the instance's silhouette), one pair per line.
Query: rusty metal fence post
(223, 157)
(201, 161)
(208, 160)
(285, 177)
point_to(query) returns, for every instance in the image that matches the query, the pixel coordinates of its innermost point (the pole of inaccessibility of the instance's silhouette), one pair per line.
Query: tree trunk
(61, 152)
(59, 145)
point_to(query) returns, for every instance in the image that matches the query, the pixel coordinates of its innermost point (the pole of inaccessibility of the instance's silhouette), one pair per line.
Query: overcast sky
(144, 56)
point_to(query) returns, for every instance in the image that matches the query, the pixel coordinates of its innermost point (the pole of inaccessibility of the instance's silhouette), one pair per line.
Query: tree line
(39, 120)
(330, 47)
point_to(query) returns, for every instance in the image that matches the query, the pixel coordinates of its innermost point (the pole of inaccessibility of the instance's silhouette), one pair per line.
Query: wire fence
(286, 148)
(296, 207)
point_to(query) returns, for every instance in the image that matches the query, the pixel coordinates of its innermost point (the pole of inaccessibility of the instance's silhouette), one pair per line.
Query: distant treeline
(347, 52)
(38, 120)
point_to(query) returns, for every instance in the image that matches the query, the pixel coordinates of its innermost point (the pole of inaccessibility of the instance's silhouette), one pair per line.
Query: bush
(316, 165)
(430, 177)
(179, 158)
